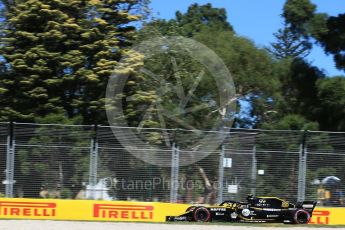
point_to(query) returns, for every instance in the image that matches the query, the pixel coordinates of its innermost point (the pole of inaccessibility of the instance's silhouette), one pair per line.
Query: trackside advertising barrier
(328, 216)
(93, 210)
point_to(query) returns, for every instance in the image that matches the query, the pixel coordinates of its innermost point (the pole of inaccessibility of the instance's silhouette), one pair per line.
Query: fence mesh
(127, 177)
(52, 161)
(3, 146)
(325, 167)
(125, 163)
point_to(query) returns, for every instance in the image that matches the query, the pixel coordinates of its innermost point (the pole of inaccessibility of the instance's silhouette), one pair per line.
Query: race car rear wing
(307, 205)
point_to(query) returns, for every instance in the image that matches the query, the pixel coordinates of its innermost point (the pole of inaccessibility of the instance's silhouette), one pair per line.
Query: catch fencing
(147, 164)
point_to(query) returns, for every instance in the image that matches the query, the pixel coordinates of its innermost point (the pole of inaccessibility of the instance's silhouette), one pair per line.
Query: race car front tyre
(202, 214)
(301, 216)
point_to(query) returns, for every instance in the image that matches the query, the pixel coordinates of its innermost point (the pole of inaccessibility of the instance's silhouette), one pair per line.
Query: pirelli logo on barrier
(320, 217)
(123, 212)
(27, 209)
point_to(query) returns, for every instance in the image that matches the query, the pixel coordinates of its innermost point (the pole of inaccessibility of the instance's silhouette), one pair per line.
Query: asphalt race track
(75, 225)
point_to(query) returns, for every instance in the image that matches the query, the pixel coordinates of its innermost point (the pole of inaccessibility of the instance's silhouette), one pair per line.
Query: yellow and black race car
(255, 210)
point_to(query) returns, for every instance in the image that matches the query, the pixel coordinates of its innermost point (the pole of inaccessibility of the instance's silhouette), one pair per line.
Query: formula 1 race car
(255, 210)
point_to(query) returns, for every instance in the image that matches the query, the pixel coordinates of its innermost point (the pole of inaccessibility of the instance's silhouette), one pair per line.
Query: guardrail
(95, 210)
(88, 210)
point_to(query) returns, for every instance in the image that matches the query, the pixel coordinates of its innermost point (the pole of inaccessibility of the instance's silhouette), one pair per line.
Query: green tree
(251, 67)
(200, 17)
(333, 40)
(60, 55)
(255, 79)
(292, 122)
(196, 19)
(297, 13)
(298, 88)
(331, 95)
(289, 45)
(179, 72)
(327, 30)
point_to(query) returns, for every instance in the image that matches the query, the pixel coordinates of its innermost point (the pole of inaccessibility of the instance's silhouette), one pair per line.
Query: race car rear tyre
(301, 216)
(202, 214)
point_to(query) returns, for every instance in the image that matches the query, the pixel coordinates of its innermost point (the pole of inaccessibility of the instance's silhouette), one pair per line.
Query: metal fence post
(221, 175)
(93, 163)
(174, 173)
(10, 157)
(302, 169)
(254, 171)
